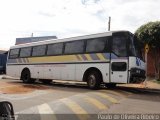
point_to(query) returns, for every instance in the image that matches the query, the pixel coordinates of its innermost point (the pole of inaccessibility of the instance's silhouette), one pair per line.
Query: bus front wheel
(26, 76)
(94, 80)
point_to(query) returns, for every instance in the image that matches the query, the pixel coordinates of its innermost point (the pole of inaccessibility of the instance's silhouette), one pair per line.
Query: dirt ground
(151, 84)
(17, 88)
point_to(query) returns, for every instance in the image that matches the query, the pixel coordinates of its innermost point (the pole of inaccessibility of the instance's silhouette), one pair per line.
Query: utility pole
(32, 35)
(109, 24)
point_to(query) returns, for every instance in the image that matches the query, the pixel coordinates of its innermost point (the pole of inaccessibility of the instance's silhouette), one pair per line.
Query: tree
(150, 34)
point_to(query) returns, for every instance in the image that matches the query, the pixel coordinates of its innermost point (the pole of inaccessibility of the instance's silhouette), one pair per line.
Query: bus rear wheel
(94, 80)
(26, 76)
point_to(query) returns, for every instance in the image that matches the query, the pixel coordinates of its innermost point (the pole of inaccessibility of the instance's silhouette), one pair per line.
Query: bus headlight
(138, 71)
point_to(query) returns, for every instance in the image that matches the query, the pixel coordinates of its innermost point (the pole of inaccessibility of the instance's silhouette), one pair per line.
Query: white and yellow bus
(105, 58)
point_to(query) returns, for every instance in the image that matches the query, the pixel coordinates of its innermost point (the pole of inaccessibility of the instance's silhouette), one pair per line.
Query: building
(33, 39)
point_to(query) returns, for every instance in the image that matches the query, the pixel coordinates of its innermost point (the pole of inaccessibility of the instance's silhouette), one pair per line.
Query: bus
(105, 58)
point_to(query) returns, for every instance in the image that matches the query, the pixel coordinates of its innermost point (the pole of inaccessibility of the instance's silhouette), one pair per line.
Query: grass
(157, 81)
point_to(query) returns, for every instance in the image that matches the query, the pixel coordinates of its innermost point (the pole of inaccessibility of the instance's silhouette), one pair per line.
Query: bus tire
(110, 85)
(26, 76)
(94, 80)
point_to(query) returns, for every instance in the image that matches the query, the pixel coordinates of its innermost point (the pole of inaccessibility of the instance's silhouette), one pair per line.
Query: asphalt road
(64, 100)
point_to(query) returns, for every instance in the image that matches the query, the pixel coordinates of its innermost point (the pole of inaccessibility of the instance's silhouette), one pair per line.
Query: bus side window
(119, 66)
(39, 50)
(96, 45)
(14, 53)
(25, 52)
(55, 49)
(74, 47)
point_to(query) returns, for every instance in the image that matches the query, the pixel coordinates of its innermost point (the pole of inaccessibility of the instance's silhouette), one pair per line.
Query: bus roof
(67, 39)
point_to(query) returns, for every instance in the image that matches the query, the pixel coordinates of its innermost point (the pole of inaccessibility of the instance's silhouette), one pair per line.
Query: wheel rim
(91, 80)
(26, 77)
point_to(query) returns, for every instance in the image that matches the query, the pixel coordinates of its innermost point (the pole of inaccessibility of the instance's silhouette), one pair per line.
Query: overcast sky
(66, 18)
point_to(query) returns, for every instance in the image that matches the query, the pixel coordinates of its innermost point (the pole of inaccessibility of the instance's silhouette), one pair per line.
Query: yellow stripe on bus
(65, 58)
(80, 57)
(101, 56)
(77, 109)
(25, 60)
(88, 57)
(22, 60)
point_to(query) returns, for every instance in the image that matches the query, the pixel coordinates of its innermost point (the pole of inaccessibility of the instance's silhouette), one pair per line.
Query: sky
(67, 18)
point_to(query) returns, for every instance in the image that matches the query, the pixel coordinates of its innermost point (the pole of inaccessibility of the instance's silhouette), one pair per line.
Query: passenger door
(119, 58)
(119, 71)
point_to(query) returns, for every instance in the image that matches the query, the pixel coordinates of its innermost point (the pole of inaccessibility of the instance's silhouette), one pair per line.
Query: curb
(7, 77)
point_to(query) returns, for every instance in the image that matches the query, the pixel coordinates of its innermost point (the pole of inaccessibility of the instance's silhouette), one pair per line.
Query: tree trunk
(159, 63)
(156, 63)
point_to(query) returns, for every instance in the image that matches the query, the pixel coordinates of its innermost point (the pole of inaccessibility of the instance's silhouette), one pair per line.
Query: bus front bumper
(137, 75)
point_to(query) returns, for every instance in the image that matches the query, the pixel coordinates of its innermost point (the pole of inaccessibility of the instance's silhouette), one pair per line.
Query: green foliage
(149, 33)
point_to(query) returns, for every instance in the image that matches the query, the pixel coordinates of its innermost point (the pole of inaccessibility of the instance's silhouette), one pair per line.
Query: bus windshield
(138, 49)
(135, 47)
(119, 44)
(132, 49)
(125, 44)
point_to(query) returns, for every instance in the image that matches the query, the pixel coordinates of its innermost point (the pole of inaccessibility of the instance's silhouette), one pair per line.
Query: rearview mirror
(6, 111)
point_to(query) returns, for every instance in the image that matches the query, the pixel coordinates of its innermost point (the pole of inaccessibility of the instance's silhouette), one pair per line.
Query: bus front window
(119, 45)
(138, 49)
(132, 51)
